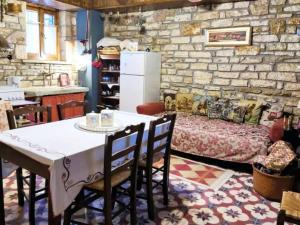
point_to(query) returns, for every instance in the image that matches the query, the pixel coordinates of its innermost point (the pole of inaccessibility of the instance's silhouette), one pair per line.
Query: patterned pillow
(200, 104)
(269, 116)
(216, 108)
(170, 101)
(281, 154)
(184, 102)
(234, 113)
(253, 110)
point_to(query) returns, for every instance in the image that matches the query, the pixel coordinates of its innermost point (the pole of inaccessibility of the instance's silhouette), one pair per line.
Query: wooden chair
(157, 159)
(12, 115)
(290, 208)
(63, 108)
(120, 166)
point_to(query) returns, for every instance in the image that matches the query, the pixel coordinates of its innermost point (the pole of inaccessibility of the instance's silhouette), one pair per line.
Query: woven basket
(271, 186)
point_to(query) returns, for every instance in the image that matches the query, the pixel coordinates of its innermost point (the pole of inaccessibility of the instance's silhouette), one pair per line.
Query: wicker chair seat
(116, 179)
(291, 204)
(157, 160)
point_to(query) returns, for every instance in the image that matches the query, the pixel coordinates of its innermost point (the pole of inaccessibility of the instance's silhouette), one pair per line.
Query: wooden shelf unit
(109, 79)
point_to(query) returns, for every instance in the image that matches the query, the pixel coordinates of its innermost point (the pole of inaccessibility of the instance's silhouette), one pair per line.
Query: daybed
(216, 138)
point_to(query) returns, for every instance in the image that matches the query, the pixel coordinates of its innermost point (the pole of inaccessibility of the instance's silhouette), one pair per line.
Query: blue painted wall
(90, 78)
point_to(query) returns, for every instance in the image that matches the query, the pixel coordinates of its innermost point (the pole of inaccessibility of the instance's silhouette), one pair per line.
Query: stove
(15, 95)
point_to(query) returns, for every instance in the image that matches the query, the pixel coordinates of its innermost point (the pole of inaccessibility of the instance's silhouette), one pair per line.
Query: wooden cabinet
(58, 99)
(109, 80)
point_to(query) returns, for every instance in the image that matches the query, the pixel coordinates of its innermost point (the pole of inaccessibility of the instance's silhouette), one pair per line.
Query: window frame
(41, 12)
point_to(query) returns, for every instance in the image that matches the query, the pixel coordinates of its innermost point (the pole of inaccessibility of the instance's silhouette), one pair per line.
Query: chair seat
(116, 179)
(291, 204)
(158, 160)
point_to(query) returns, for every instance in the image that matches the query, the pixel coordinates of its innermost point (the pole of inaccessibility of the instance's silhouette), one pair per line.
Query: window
(41, 33)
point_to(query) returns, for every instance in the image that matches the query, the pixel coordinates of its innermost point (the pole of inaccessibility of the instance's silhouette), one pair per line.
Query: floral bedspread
(219, 139)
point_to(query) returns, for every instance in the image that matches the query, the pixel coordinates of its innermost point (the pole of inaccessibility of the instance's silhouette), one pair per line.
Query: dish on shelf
(82, 124)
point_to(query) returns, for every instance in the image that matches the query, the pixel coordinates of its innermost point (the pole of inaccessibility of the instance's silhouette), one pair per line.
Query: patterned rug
(191, 202)
(206, 176)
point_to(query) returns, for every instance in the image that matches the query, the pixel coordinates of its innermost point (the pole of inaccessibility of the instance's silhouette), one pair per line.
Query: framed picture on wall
(234, 36)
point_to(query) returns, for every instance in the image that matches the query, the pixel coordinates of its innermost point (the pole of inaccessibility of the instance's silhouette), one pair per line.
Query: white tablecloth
(75, 156)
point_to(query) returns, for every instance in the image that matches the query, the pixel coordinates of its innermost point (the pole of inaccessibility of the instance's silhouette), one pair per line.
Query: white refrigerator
(139, 79)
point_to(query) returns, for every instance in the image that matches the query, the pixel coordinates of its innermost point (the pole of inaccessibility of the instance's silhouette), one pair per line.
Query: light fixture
(13, 8)
(194, 1)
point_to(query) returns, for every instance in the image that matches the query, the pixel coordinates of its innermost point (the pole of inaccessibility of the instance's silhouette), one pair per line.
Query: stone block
(263, 67)
(190, 29)
(263, 83)
(237, 13)
(182, 66)
(181, 54)
(293, 21)
(288, 67)
(239, 67)
(183, 17)
(202, 77)
(247, 50)
(276, 46)
(239, 83)
(20, 52)
(294, 46)
(259, 7)
(185, 72)
(238, 5)
(277, 26)
(222, 23)
(170, 47)
(290, 38)
(251, 60)
(249, 75)
(278, 2)
(223, 6)
(180, 40)
(200, 54)
(199, 66)
(265, 38)
(226, 74)
(206, 15)
(282, 76)
(292, 8)
(220, 81)
(224, 67)
(228, 52)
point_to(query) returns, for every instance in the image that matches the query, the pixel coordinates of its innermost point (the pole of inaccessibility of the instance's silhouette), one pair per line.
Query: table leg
(52, 220)
(2, 213)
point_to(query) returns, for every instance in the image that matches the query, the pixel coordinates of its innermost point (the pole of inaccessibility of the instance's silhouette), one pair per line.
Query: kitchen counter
(52, 90)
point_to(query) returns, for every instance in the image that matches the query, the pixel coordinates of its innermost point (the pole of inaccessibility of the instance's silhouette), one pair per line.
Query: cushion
(216, 108)
(234, 113)
(200, 104)
(151, 108)
(281, 154)
(170, 101)
(290, 203)
(253, 112)
(184, 102)
(269, 116)
(277, 130)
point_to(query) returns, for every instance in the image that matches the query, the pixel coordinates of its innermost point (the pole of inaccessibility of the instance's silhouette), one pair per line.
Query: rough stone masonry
(267, 69)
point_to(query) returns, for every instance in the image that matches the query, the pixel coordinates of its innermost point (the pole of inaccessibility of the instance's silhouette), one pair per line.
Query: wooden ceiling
(122, 5)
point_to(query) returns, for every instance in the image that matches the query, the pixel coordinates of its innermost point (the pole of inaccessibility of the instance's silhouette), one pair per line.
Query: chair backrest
(122, 151)
(39, 112)
(77, 108)
(159, 138)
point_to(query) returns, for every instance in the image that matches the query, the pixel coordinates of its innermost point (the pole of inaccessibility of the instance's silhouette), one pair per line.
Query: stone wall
(13, 28)
(268, 69)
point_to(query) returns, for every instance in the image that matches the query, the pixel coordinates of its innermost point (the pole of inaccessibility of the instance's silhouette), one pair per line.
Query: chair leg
(113, 198)
(281, 217)
(20, 186)
(2, 213)
(149, 189)
(133, 214)
(107, 208)
(32, 199)
(140, 179)
(67, 216)
(166, 180)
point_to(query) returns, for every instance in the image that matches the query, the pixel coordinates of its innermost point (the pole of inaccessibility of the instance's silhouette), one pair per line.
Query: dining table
(65, 154)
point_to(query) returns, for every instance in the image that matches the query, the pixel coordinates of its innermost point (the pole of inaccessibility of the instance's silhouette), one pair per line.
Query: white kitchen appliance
(139, 79)
(15, 95)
